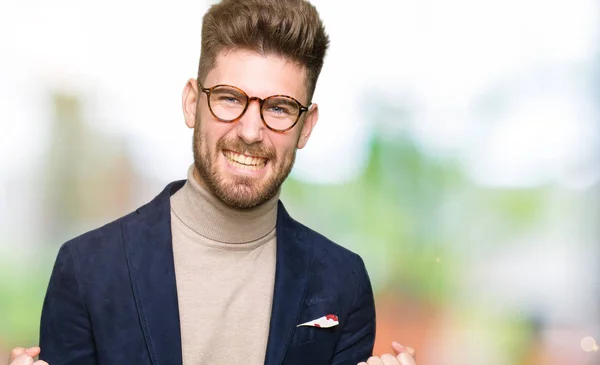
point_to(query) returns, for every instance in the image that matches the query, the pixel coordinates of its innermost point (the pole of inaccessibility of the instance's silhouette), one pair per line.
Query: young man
(214, 270)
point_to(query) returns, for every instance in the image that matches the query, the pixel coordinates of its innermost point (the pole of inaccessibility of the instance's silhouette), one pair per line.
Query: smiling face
(243, 162)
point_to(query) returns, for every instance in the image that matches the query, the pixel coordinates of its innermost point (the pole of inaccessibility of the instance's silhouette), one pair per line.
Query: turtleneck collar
(210, 217)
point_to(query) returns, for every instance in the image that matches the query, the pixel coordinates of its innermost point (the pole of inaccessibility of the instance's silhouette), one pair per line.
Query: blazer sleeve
(358, 336)
(66, 336)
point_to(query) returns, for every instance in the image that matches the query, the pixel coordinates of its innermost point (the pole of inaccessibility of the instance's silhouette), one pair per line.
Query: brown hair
(288, 28)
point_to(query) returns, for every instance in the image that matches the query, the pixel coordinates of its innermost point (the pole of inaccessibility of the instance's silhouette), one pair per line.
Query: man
(214, 270)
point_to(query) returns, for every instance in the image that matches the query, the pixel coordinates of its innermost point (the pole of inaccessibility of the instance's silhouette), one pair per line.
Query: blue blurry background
(457, 151)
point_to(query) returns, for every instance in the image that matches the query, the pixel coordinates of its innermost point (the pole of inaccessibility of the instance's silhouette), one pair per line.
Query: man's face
(244, 163)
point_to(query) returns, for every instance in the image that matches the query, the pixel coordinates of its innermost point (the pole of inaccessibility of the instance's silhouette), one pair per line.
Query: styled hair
(287, 28)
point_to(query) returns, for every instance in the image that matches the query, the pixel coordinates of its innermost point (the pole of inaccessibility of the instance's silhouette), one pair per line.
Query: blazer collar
(292, 273)
(149, 251)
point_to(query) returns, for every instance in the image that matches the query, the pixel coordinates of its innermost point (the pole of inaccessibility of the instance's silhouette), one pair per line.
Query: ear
(189, 101)
(312, 116)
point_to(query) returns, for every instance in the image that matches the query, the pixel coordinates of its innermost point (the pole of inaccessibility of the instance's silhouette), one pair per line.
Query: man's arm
(65, 331)
(358, 337)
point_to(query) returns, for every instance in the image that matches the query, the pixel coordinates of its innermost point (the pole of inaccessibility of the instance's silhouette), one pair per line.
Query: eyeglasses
(279, 113)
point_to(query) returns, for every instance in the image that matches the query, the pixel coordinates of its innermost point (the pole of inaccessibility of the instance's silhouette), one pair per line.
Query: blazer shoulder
(329, 252)
(109, 233)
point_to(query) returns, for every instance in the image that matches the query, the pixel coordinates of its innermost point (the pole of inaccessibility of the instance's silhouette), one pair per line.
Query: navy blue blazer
(112, 296)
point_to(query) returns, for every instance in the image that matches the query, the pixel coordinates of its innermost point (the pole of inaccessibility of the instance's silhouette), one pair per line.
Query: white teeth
(245, 162)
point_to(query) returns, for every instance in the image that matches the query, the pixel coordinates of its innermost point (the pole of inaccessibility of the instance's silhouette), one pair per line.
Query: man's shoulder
(111, 234)
(333, 266)
(106, 233)
(327, 252)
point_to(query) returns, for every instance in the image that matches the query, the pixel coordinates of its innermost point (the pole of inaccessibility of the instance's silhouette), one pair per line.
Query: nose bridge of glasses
(259, 100)
(249, 100)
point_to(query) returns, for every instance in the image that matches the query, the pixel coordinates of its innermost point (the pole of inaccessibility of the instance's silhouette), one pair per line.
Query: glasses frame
(209, 90)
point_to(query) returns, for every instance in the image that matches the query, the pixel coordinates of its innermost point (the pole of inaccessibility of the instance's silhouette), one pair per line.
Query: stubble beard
(240, 192)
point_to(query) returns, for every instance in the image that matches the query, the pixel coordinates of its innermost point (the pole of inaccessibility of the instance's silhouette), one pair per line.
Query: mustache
(239, 146)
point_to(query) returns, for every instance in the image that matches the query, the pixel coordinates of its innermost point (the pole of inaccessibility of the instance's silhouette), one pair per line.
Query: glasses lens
(227, 103)
(280, 112)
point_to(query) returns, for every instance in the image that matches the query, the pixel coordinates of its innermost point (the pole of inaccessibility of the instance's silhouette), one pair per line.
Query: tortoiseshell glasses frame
(283, 111)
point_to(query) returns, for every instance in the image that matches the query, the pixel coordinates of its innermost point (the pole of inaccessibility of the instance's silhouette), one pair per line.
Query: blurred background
(457, 152)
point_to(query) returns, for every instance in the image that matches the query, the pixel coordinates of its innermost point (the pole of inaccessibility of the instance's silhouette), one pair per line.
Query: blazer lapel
(148, 246)
(292, 272)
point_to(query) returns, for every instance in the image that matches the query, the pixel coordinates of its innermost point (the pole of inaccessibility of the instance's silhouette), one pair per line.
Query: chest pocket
(314, 345)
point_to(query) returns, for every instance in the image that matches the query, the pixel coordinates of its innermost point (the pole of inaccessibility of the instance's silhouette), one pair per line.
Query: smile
(245, 162)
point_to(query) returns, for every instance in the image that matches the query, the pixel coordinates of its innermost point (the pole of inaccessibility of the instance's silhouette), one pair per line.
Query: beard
(240, 192)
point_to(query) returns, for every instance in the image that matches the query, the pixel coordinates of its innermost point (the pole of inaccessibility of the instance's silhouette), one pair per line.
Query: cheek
(212, 131)
(284, 144)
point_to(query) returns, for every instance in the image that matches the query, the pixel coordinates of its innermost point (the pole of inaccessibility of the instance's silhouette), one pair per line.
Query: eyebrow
(284, 99)
(231, 91)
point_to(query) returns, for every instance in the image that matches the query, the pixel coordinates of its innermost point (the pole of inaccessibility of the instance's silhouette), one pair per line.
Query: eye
(277, 109)
(229, 99)
(280, 108)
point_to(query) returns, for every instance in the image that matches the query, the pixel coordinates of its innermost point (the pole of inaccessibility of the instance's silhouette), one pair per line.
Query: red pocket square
(330, 320)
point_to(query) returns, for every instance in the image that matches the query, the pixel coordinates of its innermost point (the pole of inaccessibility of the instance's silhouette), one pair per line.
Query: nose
(250, 126)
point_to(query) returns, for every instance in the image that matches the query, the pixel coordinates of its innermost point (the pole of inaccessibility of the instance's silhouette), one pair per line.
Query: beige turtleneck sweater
(225, 271)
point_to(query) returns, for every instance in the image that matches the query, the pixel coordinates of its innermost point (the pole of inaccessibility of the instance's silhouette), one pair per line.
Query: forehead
(259, 75)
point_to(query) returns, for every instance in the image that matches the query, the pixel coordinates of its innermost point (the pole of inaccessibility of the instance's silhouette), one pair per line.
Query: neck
(207, 215)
